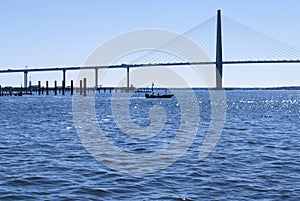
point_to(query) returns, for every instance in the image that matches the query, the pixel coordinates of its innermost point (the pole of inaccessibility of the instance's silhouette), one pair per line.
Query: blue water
(257, 156)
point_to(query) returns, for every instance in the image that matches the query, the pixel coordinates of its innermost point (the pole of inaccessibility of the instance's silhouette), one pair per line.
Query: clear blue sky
(65, 32)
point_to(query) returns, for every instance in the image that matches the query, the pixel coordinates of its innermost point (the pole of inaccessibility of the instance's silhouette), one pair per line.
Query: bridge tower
(219, 59)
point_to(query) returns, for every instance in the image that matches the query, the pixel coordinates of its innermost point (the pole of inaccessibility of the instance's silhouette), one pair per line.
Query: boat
(152, 95)
(159, 96)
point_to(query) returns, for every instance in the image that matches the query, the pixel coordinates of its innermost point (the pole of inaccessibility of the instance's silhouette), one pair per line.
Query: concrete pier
(96, 78)
(25, 79)
(80, 87)
(55, 87)
(64, 82)
(71, 87)
(84, 86)
(39, 87)
(47, 88)
(83, 89)
(127, 78)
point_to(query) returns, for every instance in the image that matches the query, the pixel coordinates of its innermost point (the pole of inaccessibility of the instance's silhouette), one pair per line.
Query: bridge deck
(69, 68)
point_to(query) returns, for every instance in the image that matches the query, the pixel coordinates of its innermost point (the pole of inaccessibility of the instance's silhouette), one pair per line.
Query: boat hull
(159, 96)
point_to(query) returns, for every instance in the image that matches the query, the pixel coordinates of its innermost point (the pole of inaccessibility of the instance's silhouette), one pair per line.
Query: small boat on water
(159, 96)
(152, 95)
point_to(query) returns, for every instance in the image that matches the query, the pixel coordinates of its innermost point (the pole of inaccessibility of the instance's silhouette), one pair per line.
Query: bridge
(218, 63)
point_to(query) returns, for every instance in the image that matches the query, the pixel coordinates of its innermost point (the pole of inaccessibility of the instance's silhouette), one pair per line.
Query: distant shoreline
(265, 88)
(243, 88)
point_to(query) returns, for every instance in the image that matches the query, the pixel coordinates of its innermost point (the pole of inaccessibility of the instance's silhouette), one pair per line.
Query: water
(256, 158)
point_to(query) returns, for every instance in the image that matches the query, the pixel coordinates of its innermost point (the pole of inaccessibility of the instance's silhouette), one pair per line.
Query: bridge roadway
(68, 68)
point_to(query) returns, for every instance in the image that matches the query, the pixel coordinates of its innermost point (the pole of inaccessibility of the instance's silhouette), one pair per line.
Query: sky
(37, 33)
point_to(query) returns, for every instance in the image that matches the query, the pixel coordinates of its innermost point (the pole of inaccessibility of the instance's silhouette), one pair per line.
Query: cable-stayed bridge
(242, 46)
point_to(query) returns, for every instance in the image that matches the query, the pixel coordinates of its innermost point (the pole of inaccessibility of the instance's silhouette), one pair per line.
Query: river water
(257, 156)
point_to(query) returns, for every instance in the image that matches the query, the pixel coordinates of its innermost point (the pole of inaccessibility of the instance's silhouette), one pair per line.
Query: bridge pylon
(219, 59)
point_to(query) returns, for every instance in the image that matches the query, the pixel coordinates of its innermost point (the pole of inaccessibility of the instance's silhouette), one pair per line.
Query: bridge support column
(127, 78)
(47, 88)
(25, 79)
(72, 87)
(219, 59)
(64, 82)
(80, 87)
(84, 86)
(96, 79)
(55, 87)
(39, 87)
